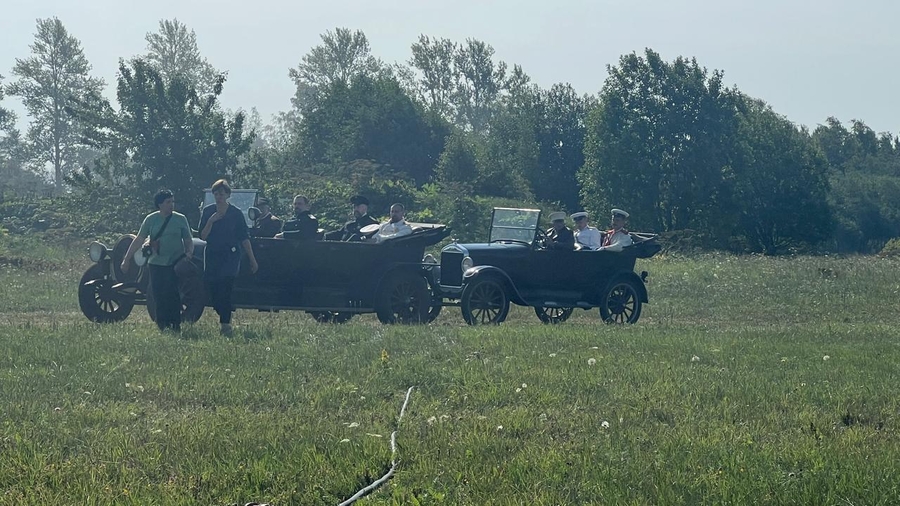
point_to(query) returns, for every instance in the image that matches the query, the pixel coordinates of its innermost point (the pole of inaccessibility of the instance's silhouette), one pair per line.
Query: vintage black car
(516, 266)
(332, 280)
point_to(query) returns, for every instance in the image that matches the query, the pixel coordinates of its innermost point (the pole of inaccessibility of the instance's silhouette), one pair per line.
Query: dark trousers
(164, 283)
(219, 290)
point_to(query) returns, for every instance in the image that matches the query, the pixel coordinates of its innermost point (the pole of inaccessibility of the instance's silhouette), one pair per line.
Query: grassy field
(747, 380)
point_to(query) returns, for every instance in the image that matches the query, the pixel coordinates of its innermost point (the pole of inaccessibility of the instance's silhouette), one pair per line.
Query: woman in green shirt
(170, 238)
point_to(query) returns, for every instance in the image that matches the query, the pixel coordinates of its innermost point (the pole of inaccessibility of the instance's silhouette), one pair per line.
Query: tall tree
(49, 81)
(780, 182)
(659, 142)
(163, 135)
(174, 53)
(480, 83)
(343, 55)
(433, 59)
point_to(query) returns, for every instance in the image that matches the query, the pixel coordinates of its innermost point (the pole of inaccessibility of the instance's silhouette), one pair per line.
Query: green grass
(747, 380)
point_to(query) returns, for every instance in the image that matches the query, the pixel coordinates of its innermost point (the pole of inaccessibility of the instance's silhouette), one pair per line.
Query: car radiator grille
(451, 268)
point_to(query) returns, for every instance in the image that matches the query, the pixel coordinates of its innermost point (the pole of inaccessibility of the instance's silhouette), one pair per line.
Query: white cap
(578, 215)
(619, 212)
(559, 215)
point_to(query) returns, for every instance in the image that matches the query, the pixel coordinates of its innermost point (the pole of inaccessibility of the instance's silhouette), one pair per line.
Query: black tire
(621, 302)
(484, 301)
(402, 298)
(193, 299)
(98, 301)
(553, 314)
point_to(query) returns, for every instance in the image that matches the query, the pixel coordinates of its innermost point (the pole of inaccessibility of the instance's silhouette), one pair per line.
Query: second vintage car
(515, 266)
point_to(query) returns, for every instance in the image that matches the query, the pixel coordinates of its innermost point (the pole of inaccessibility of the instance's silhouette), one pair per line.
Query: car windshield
(514, 224)
(242, 199)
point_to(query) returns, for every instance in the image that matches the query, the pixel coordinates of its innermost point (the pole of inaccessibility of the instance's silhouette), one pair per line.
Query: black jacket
(561, 239)
(302, 226)
(267, 226)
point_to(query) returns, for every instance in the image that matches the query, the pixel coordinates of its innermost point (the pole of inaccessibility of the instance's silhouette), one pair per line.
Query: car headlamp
(429, 259)
(467, 263)
(97, 251)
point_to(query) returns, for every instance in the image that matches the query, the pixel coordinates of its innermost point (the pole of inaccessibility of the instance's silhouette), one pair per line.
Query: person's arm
(619, 241)
(248, 250)
(208, 220)
(186, 238)
(135, 244)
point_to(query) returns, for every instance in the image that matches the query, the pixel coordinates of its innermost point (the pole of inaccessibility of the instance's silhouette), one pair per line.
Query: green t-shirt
(171, 242)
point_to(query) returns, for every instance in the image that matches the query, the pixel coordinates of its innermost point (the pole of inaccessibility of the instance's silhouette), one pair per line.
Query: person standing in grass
(224, 229)
(170, 239)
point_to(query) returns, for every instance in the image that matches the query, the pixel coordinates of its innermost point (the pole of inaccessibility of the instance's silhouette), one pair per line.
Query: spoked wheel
(403, 298)
(193, 299)
(621, 303)
(553, 314)
(483, 302)
(437, 303)
(331, 316)
(98, 301)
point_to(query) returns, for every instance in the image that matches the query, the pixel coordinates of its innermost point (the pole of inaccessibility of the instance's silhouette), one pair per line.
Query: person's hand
(253, 266)
(125, 265)
(216, 217)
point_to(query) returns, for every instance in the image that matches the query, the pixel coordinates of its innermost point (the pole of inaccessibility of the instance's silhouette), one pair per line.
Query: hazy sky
(809, 59)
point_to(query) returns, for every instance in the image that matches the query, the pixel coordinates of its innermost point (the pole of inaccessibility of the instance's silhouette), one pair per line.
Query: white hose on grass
(380, 481)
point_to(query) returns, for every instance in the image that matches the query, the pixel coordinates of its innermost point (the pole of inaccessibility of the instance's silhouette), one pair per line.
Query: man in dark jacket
(350, 231)
(267, 225)
(303, 225)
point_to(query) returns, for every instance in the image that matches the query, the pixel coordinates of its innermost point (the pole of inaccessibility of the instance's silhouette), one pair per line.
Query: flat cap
(558, 216)
(619, 212)
(359, 200)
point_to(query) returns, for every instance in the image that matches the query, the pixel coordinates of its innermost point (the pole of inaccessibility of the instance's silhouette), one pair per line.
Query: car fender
(634, 278)
(482, 271)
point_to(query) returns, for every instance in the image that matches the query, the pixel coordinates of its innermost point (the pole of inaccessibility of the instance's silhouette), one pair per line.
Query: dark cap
(359, 200)
(262, 202)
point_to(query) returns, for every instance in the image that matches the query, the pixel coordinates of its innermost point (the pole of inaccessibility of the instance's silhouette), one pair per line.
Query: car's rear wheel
(403, 298)
(98, 301)
(621, 303)
(553, 314)
(193, 299)
(483, 302)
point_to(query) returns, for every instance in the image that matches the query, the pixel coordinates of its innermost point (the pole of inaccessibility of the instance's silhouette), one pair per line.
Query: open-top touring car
(516, 266)
(332, 280)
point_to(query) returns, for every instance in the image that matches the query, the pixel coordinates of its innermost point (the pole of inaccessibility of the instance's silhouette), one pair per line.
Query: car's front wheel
(483, 302)
(621, 303)
(553, 314)
(403, 298)
(98, 301)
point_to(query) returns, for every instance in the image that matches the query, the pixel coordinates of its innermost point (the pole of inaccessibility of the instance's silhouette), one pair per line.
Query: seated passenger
(303, 225)
(617, 237)
(350, 231)
(396, 227)
(588, 237)
(267, 225)
(560, 236)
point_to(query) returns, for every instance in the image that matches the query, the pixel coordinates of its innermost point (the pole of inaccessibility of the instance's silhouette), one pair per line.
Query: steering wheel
(541, 239)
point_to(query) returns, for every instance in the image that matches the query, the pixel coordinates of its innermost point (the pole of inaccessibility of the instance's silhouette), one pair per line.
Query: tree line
(452, 131)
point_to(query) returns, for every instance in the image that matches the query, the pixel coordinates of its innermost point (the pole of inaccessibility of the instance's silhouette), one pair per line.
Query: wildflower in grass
(592, 361)
(345, 440)
(604, 424)
(353, 425)
(518, 390)
(431, 420)
(826, 357)
(695, 358)
(524, 385)
(552, 355)
(268, 348)
(499, 427)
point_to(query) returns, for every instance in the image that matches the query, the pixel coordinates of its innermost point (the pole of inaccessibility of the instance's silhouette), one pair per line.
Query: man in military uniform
(303, 225)
(587, 236)
(560, 236)
(350, 232)
(267, 225)
(617, 237)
